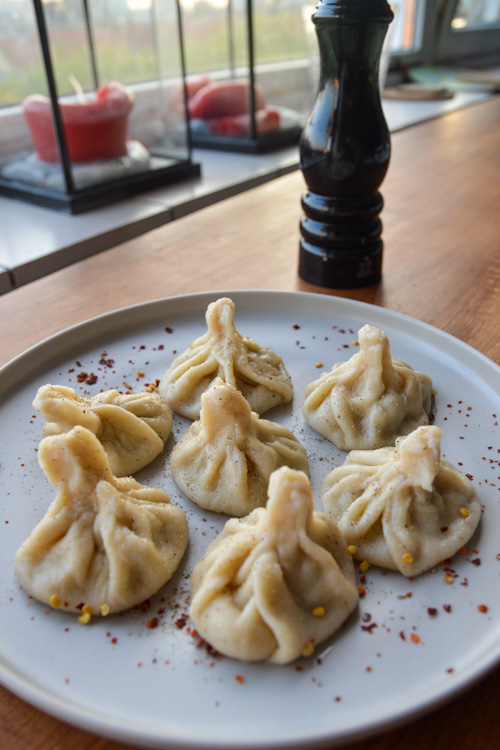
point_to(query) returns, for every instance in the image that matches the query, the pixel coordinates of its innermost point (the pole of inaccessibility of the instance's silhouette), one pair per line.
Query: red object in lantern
(224, 99)
(266, 121)
(94, 129)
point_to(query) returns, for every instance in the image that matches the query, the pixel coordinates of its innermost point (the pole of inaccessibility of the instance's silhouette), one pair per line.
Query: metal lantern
(251, 72)
(108, 115)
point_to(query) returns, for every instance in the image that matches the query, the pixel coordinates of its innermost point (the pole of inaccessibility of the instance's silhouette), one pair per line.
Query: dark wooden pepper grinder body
(345, 148)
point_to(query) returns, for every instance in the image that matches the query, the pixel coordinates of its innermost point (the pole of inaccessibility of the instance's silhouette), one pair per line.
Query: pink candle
(224, 99)
(95, 129)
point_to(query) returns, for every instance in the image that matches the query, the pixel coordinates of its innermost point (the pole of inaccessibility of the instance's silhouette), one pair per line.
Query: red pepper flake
(239, 678)
(482, 608)
(415, 638)
(82, 376)
(368, 669)
(469, 476)
(169, 330)
(447, 607)
(450, 670)
(369, 628)
(476, 561)
(299, 669)
(432, 611)
(443, 529)
(181, 622)
(296, 327)
(337, 699)
(91, 379)
(153, 623)
(402, 635)
(106, 362)
(114, 640)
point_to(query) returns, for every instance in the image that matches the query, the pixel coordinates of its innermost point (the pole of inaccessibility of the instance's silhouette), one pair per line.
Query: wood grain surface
(441, 265)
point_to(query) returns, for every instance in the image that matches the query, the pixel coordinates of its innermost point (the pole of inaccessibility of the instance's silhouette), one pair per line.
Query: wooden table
(442, 266)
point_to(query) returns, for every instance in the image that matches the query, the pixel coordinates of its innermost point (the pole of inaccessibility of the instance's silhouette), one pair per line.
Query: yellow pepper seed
(464, 512)
(319, 364)
(352, 549)
(54, 601)
(318, 612)
(407, 558)
(448, 579)
(87, 609)
(104, 609)
(364, 566)
(308, 650)
(84, 619)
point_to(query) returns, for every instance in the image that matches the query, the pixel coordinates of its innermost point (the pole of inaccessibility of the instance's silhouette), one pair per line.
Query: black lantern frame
(76, 200)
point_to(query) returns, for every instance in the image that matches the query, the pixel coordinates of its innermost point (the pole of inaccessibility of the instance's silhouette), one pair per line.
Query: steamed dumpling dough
(133, 428)
(277, 582)
(403, 508)
(371, 399)
(103, 540)
(224, 461)
(258, 372)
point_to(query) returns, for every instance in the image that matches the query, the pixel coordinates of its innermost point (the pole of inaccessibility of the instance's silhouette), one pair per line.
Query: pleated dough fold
(370, 400)
(275, 584)
(104, 540)
(132, 427)
(257, 371)
(404, 508)
(224, 460)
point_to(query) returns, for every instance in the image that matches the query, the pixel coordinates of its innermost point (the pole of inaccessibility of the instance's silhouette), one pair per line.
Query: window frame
(452, 44)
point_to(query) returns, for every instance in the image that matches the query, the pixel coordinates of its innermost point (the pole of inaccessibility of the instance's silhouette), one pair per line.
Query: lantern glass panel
(284, 58)
(244, 41)
(106, 112)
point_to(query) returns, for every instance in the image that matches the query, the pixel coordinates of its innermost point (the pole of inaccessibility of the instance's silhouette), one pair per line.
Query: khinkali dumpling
(403, 508)
(104, 540)
(224, 460)
(133, 428)
(276, 583)
(371, 399)
(258, 372)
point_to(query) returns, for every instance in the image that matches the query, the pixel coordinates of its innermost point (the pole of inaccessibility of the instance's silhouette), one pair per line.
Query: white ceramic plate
(158, 687)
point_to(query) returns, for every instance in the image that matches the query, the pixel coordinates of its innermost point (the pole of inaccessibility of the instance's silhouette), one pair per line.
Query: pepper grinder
(345, 148)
